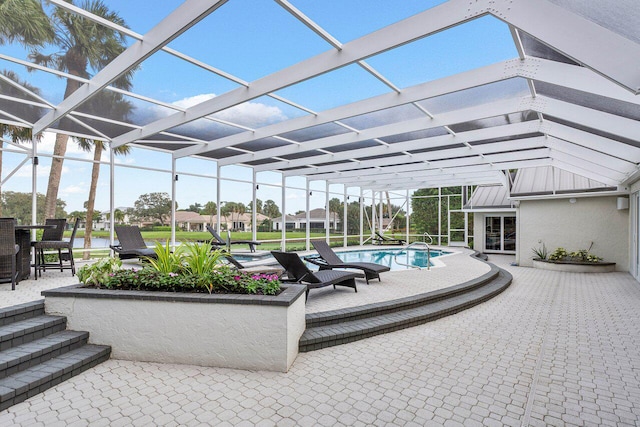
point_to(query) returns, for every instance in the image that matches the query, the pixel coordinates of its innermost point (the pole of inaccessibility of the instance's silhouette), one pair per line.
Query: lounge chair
(60, 246)
(384, 240)
(297, 272)
(131, 244)
(219, 241)
(329, 260)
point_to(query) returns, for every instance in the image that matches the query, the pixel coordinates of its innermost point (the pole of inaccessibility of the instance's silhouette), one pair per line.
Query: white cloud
(253, 114)
(79, 188)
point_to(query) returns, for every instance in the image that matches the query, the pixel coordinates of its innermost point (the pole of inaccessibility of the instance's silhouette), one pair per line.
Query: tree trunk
(59, 149)
(95, 173)
(55, 174)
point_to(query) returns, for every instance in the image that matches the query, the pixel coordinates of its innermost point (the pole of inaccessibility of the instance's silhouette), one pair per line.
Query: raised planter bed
(575, 267)
(253, 332)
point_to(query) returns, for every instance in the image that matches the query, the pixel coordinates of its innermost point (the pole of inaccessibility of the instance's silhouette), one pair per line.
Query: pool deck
(553, 349)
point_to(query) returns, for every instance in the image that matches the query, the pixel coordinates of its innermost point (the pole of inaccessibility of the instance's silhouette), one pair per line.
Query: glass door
(500, 234)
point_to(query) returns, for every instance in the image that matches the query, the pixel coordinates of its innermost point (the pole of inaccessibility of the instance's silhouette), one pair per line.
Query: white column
(283, 245)
(326, 213)
(344, 218)
(407, 217)
(174, 180)
(361, 202)
(373, 213)
(439, 216)
(34, 186)
(380, 214)
(112, 198)
(254, 214)
(219, 217)
(308, 217)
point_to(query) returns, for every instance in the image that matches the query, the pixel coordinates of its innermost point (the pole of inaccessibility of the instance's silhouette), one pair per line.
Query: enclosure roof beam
(180, 20)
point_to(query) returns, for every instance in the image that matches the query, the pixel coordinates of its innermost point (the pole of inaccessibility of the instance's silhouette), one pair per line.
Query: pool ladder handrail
(409, 247)
(426, 235)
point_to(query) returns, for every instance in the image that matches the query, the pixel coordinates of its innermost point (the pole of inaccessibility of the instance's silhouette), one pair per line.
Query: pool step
(37, 352)
(352, 324)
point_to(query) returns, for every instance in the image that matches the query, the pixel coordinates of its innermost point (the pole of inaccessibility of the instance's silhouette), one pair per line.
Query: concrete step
(22, 385)
(21, 312)
(392, 317)
(24, 356)
(24, 331)
(401, 304)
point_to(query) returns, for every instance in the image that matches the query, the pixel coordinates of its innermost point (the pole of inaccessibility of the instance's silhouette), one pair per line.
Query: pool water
(413, 257)
(416, 257)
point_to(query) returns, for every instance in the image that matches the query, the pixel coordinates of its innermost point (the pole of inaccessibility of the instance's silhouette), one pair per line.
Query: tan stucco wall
(574, 226)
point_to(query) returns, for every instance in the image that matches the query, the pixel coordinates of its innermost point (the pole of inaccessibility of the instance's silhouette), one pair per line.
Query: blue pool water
(414, 257)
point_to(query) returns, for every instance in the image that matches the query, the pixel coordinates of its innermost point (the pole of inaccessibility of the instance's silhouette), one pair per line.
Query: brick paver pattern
(553, 349)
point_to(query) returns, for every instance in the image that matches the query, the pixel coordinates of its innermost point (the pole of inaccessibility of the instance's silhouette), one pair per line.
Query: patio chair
(219, 241)
(60, 245)
(9, 251)
(384, 240)
(131, 244)
(51, 236)
(329, 260)
(297, 272)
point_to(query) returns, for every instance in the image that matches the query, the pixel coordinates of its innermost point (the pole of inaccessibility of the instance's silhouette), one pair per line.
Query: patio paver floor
(553, 349)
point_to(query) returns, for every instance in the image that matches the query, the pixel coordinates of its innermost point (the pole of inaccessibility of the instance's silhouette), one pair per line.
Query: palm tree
(25, 22)
(98, 147)
(85, 46)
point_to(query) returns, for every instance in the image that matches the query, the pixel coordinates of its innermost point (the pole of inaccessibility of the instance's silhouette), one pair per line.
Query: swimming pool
(415, 257)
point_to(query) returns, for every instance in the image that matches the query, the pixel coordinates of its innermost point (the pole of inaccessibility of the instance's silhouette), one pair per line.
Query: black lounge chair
(219, 241)
(329, 260)
(384, 240)
(131, 244)
(297, 272)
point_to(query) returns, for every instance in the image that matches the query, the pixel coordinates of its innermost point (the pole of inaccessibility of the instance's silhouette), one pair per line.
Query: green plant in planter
(541, 252)
(583, 255)
(558, 255)
(199, 259)
(167, 261)
(99, 272)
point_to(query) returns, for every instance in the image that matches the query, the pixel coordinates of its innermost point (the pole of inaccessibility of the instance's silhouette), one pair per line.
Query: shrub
(559, 254)
(191, 267)
(541, 252)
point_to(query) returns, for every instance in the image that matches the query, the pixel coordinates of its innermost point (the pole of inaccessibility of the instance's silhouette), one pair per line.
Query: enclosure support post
(283, 245)
(174, 179)
(112, 199)
(34, 186)
(327, 219)
(361, 204)
(344, 218)
(307, 219)
(218, 216)
(254, 213)
(406, 222)
(439, 216)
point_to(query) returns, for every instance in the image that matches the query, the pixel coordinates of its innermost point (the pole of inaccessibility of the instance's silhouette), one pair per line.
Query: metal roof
(567, 99)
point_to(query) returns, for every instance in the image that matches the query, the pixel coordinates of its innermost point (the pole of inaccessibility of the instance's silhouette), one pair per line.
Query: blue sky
(251, 39)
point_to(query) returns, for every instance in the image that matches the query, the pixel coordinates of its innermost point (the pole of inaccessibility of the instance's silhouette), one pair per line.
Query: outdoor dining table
(23, 238)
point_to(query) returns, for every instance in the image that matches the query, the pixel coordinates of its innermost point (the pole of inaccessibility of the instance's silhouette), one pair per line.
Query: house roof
(489, 196)
(567, 98)
(548, 180)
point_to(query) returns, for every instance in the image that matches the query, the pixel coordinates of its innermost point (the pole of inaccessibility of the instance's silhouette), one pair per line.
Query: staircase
(37, 352)
(347, 325)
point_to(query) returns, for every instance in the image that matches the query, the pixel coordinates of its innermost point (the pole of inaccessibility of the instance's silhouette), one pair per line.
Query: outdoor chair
(384, 240)
(51, 239)
(218, 241)
(9, 251)
(131, 244)
(329, 260)
(297, 272)
(63, 257)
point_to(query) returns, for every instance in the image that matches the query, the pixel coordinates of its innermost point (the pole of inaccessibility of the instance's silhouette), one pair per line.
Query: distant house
(317, 220)
(192, 221)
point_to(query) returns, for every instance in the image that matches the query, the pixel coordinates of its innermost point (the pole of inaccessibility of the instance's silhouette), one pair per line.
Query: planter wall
(231, 331)
(602, 267)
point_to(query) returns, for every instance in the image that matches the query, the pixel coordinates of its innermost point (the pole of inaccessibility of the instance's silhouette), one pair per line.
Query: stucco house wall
(573, 226)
